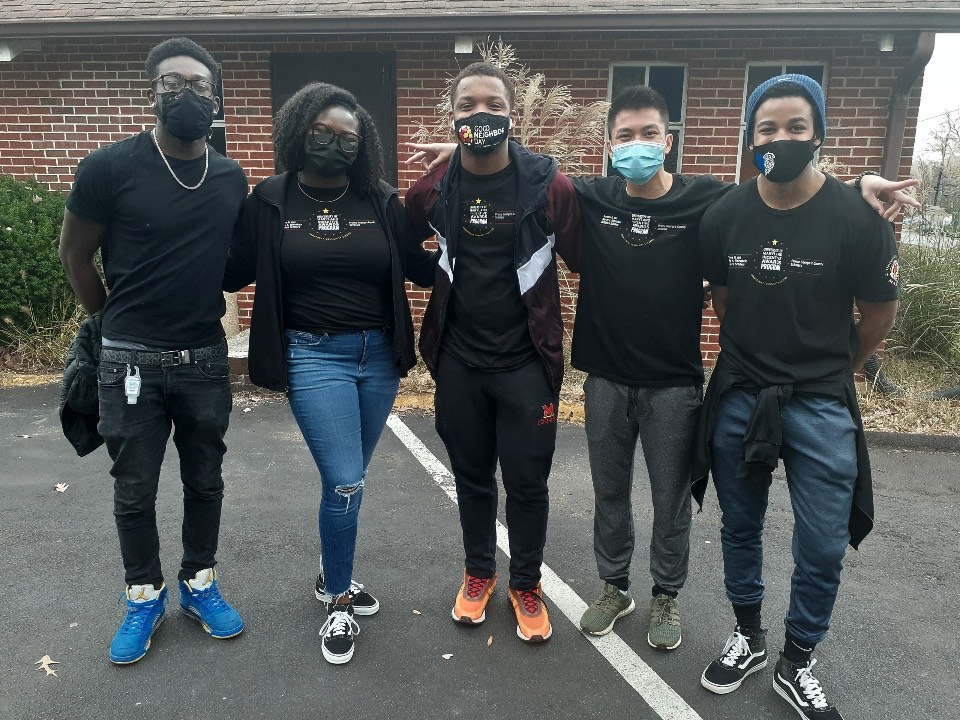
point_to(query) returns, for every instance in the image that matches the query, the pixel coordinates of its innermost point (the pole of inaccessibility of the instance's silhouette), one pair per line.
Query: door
(370, 76)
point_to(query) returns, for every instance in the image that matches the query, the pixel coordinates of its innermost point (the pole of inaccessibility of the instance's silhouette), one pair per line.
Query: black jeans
(196, 401)
(510, 415)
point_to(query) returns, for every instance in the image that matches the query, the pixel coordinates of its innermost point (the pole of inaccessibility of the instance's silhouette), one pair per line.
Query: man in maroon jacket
(492, 334)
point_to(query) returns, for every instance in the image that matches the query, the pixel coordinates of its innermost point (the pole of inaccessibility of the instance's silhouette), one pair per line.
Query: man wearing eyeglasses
(160, 207)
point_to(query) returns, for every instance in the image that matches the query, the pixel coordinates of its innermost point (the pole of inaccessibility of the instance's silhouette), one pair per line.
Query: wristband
(861, 176)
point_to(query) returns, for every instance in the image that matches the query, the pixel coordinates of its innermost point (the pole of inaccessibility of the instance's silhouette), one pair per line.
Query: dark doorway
(370, 76)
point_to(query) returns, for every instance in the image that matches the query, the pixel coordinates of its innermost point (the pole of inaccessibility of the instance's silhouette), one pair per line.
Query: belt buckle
(170, 358)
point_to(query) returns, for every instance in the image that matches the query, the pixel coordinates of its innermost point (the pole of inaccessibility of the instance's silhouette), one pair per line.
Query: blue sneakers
(200, 599)
(146, 608)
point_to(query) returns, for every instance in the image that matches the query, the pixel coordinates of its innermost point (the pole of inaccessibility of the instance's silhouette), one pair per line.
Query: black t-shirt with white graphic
(641, 291)
(792, 277)
(165, 247)
(334, 263)
(486, 323)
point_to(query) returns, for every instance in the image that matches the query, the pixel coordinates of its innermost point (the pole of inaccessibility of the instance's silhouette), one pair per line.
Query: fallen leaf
(26, 437)
(61, 487)
(447, 656)
(74, 624)
(45, 662)
(247, 409)
(490, 641)
(417, 612)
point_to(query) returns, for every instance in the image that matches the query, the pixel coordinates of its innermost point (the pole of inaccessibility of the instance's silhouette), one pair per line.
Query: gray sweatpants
(665, 420)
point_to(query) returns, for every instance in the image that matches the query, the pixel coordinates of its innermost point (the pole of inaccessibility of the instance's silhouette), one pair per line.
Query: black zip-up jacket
(255, 255)
(79, 399)
(548, 222)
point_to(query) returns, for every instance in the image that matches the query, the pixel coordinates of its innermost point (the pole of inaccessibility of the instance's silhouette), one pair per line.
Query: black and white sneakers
(338, 632)
(363, 602)
(797, 685)
(742, 656)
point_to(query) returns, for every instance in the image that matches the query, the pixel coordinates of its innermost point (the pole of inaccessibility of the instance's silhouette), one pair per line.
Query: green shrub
(32, 282)
(928, 322)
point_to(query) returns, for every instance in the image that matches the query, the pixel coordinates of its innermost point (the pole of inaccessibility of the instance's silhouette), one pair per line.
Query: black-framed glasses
(320, 134)
(171, 82)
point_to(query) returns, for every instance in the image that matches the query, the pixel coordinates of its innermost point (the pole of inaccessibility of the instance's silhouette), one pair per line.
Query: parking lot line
(661, 698)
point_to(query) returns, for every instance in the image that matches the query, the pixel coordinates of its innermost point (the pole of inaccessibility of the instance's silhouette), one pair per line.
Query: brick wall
(76, 94)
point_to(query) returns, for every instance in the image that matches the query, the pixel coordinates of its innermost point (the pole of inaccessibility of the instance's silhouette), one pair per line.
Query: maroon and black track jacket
(548, 222)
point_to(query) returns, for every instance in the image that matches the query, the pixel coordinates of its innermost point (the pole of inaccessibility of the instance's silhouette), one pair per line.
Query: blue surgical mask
(638, 161)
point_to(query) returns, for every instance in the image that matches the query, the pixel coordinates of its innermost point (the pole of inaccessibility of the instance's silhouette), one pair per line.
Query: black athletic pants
(509, 415)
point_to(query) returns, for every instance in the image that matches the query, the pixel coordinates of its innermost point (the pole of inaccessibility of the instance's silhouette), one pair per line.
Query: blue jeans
(195, 401)
(820, 459)
(342, 389)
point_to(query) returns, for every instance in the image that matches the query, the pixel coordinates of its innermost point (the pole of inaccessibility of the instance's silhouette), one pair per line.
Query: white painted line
(662, 699)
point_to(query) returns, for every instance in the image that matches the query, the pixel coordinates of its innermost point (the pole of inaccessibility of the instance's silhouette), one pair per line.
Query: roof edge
(540, 23)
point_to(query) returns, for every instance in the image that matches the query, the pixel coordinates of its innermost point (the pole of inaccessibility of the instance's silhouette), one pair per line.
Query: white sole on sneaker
(465, 620)
(664, 647)
(535, 638)
(626, 611)
(336, 659)
(724, 689)
(357, 610)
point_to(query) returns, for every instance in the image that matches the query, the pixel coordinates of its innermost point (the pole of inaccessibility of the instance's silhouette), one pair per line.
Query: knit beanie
(811, 91)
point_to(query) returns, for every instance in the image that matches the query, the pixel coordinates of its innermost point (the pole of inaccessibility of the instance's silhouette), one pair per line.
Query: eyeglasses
(171, 82)
(320, 134)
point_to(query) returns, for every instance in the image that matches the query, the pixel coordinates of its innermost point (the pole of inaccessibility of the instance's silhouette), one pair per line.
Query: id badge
(131, 385)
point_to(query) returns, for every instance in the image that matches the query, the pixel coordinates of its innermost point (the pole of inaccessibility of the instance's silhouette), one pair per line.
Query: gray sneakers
(606, 610)
(664, 632)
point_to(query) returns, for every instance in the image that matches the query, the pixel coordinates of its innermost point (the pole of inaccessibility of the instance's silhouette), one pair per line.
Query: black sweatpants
(511, 416)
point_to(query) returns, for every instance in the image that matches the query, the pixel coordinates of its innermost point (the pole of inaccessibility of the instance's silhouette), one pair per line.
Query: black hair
(786, 89)
(488, 70)
(179, 47)
(637, 97)
(294, 119)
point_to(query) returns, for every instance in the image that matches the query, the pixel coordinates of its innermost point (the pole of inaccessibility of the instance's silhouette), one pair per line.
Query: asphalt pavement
(891, 654)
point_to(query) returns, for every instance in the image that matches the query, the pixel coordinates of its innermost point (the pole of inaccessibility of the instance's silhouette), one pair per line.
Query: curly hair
(294, 119)
(180, 47)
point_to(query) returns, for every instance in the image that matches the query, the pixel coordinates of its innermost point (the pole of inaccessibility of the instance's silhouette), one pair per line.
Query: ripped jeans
(342, 388)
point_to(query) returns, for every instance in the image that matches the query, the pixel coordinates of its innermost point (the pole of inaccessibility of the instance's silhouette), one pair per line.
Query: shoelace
(135, 619)
(811, 687)
(475, 586)
(355, 589)
(666, 611)
(530, 601)
(210, 598)
(736, 648)
(339, 623)
(609, 601)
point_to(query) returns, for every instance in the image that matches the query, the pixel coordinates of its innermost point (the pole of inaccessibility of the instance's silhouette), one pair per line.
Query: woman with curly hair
(328, 244)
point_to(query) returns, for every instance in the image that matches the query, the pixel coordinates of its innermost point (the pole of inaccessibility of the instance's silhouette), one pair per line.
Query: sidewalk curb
(911, 441)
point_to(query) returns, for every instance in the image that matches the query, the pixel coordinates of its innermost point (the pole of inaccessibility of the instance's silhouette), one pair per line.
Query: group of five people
(330, 246)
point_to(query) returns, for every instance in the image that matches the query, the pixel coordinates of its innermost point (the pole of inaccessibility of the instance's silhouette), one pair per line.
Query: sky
(941, 87)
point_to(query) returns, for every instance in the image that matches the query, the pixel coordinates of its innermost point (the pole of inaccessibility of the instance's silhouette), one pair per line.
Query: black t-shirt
(334, 263)
(486, 324)
(791, 278)
(165, 247)
(641, 290)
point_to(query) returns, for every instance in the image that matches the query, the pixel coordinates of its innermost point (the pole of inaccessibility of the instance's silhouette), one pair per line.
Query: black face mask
(781, 161)
(327, 160)
(185, 115)
(481, 133)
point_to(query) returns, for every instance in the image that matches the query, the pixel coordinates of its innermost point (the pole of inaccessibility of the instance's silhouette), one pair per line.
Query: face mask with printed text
(482, 132)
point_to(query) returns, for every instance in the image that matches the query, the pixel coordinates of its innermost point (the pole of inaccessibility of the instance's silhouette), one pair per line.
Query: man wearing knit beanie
(786, 254)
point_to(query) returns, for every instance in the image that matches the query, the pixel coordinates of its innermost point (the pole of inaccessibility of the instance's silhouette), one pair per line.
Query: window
(668, 80)
(756, 75)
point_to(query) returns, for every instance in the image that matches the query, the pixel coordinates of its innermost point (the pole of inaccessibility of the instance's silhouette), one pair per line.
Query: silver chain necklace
(306, 194)
(206, 164)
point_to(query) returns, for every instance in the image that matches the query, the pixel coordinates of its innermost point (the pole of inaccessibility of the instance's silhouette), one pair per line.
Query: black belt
(164, 358)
